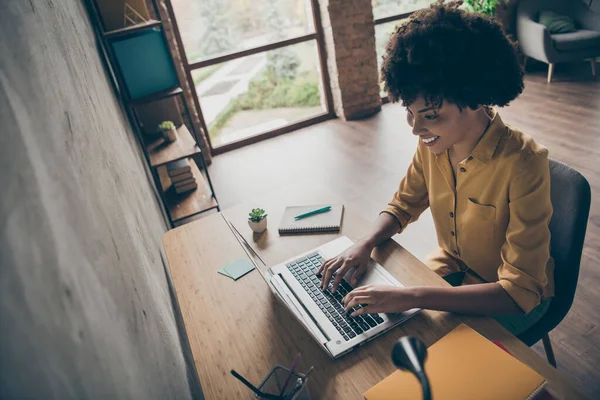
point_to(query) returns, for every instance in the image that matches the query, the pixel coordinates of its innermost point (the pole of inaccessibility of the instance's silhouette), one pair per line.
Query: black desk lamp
(409, 354)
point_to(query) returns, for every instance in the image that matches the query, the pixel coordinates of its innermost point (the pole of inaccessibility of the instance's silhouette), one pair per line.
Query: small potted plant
(167, 128)
(257, 220)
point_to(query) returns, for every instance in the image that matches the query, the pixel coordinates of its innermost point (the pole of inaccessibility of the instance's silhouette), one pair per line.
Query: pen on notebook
(308, 214)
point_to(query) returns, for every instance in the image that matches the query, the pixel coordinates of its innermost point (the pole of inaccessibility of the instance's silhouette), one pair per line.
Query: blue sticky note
(223, 272)
(238, 268)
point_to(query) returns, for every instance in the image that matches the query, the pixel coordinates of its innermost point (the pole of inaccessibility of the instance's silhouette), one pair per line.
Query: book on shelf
(181, 177)
(178, 167)
(186, 188)
(184, 182)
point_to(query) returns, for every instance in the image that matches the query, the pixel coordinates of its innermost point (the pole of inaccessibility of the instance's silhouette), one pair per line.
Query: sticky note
(237, 269)
(223, 272)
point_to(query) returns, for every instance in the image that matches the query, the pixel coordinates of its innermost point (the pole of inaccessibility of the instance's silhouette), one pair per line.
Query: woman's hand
(380, 298)
(355, 256)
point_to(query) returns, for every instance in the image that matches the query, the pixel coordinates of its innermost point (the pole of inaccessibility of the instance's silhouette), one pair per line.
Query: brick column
(349, 33)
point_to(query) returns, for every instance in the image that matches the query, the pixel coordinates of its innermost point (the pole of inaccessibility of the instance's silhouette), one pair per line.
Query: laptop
(321, 312)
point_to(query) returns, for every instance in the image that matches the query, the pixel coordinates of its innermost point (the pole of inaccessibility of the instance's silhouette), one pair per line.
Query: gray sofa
(537, 42)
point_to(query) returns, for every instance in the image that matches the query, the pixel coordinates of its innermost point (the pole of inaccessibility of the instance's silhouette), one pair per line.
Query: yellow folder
(464, 365)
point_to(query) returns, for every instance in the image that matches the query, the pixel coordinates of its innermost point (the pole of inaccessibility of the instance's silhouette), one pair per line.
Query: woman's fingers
(325, 265)
(361, 291)
(328, 272)
(365, 310)
(340, 275)
(356, 301)
(358, 273)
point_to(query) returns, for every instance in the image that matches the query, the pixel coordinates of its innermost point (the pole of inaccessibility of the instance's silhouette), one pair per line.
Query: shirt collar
(485, 148)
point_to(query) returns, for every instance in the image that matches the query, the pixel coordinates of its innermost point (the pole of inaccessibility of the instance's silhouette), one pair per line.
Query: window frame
(316, 36)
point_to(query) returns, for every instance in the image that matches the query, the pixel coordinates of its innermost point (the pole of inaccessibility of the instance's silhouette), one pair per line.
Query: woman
(487, 185)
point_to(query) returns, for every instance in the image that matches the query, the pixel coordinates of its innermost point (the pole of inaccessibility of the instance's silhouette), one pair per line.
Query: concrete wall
(85, 310)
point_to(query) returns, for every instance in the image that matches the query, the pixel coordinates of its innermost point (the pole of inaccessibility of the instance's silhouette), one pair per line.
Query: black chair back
(571, 197)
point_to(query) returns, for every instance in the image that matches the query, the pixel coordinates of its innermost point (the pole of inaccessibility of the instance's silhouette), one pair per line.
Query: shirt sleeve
(526, 251)
(412, 198)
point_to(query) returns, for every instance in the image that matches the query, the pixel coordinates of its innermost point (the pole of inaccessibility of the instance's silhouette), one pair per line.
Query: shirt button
(455, 252)
(451, 214)
(470, 158)
(462, 169)
(452, 233)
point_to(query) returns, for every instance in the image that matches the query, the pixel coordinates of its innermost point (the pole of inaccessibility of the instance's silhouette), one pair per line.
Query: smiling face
(442, 127)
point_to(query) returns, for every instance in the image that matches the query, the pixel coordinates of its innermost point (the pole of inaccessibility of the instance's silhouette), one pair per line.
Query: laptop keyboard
(331, 304)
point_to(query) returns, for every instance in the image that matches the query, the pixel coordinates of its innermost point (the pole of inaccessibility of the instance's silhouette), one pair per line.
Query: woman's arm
(386, 226)
(358, 255)
(408, 203)
(478, 299)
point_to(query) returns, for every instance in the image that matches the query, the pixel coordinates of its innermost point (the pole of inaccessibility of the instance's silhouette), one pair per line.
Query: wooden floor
(363, 162)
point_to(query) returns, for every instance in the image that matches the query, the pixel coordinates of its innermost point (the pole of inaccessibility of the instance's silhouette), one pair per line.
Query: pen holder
(296, 389)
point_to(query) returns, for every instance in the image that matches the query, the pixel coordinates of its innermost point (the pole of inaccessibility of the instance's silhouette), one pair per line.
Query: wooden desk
(240, 325)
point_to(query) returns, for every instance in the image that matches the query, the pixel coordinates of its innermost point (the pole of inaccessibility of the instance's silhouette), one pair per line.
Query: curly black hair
(444, 53)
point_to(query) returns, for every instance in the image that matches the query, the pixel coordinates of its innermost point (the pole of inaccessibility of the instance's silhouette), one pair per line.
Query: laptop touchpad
(370, 277)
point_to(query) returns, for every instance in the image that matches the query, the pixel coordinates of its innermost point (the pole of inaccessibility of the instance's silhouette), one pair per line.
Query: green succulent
(257, 214)
(166, 126)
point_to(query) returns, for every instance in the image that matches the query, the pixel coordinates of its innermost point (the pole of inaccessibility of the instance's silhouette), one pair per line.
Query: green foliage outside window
(487, 7)
(264, 93)
(219, 36)
(279, 85)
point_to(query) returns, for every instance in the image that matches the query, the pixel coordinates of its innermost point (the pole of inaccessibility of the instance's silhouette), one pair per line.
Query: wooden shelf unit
(157, 96)
(185, 205)
(157, 152)
(132, 29)
(162, 152)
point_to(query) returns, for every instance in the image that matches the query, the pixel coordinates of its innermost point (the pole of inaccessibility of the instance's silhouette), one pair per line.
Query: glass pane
(387, 8)
(382, 35)
(211, 28)
(259, 93)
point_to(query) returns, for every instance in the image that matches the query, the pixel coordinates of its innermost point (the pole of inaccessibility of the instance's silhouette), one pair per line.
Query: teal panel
(145, 63)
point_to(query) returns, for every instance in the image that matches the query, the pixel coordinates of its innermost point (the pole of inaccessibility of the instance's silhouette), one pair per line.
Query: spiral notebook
(330, 221)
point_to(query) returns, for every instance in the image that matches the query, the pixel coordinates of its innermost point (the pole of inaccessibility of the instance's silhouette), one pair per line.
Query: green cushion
(556, 23)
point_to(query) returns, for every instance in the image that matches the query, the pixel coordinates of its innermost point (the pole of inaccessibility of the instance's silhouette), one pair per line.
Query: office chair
(570, 196)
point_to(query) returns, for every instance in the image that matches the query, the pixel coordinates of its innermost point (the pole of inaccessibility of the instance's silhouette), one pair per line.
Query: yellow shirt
(494, 218)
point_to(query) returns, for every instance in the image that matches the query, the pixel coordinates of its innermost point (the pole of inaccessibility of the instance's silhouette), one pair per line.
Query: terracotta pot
(258, 227)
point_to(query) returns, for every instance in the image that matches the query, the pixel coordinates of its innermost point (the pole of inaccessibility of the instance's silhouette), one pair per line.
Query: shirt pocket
(479, 225)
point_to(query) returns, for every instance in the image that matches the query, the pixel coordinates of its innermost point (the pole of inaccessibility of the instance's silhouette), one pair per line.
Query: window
(255, 65)
(259, 93)
(388, 14)
(390, 8)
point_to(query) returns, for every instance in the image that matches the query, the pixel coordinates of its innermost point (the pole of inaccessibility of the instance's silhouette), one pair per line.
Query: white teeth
(430, 140)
